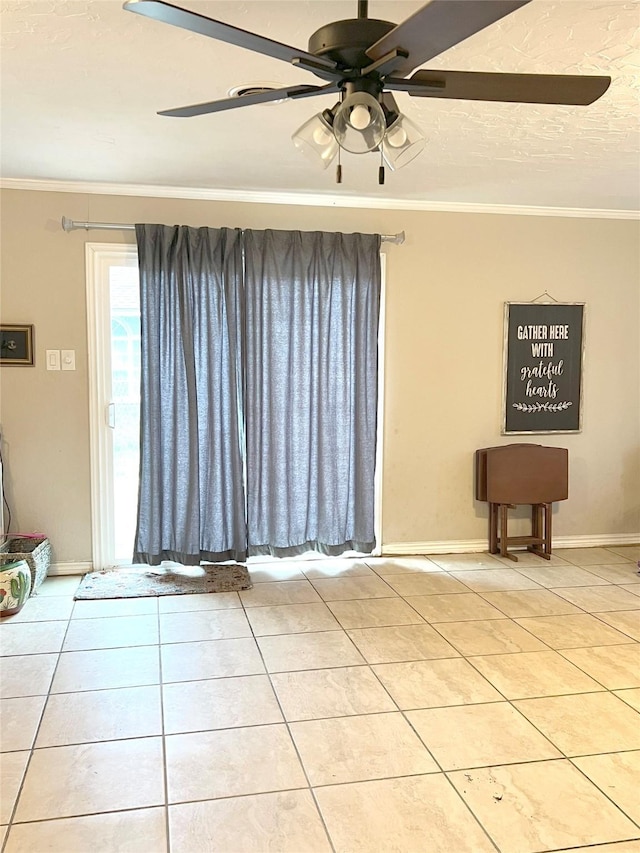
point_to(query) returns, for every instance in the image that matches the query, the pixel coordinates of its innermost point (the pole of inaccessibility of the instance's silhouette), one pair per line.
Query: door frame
(99, 257)
(378, 477)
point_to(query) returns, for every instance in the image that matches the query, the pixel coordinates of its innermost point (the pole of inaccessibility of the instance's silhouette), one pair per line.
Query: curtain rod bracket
(398, 238)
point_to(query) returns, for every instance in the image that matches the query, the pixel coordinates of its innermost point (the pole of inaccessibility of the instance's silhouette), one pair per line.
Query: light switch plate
(68, 357)
(53, 359)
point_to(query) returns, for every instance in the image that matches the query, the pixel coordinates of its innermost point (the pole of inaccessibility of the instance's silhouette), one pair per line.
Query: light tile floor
(458, 704)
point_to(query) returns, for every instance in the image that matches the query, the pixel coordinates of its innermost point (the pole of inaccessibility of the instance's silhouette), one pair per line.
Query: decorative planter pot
(15, 586)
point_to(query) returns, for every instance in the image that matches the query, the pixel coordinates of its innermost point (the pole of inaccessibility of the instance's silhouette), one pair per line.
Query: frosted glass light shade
(359, 123)
(317, 141)
(402, 142)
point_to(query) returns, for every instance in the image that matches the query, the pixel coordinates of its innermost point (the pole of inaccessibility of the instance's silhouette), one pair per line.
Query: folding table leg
(535, 522)
(547, 531)
(504, 508)
(493, 528)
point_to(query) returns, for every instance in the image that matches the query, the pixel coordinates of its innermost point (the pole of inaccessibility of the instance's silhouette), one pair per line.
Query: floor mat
(141, 583)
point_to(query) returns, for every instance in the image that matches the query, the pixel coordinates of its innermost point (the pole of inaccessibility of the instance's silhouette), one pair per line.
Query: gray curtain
(191, 504)
(312, 311)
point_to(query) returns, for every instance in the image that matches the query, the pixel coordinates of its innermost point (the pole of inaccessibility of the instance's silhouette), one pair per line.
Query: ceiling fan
(364, 60)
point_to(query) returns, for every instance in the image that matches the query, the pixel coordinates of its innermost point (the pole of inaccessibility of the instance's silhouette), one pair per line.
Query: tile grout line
(599, 689)
(600, 787)
(570, 758)
(632, 610)
(517, 710)
(511, 702)
(432, 756)
(563, 757)
(582, 669)
(165, 771)
(456, 656)
(630, 641)
(538, 587)
(370, 669)
(83, 815)
(593, 848)
(395, 596)
(35, 738)
(625, 639)
(425, 747)
(450, 783)
(439, 772)
(514, 619)
(501, 701)
(291, 738)
(34, 748)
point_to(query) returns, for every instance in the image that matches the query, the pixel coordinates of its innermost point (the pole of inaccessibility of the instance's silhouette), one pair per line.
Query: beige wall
(443, 355)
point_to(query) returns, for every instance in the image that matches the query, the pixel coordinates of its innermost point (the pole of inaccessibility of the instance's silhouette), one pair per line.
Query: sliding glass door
(113, 315)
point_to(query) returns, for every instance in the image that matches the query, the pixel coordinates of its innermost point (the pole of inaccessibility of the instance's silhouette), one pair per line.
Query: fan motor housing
(346, 41)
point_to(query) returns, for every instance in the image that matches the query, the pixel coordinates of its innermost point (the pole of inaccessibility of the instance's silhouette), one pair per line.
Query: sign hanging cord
(546, 293)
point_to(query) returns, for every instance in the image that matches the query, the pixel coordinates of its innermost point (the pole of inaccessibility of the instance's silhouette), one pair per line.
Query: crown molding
(307, 199)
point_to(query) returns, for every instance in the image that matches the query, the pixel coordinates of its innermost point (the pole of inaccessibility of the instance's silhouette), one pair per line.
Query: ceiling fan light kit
(364, 60)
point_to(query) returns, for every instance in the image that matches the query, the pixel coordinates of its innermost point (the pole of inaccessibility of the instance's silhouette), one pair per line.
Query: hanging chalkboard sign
(543, 367)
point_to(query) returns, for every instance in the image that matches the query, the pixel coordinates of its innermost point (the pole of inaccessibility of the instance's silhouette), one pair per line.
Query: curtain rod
(72, 225)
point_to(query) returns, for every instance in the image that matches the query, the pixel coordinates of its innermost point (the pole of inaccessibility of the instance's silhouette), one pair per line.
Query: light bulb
(402, 142)
(360, 118)
(397, 137)
(359, 123)
(322, 136)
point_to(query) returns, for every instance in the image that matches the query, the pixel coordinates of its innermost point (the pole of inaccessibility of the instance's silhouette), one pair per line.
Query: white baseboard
(439, 546)
(470, 546)
(445, 546)
(613, 540)
(57, 569)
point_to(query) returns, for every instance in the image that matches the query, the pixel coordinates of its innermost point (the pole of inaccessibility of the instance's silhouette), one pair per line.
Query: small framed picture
(16, 344)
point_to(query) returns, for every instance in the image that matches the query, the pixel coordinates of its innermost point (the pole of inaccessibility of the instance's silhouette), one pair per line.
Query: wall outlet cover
(68, 359)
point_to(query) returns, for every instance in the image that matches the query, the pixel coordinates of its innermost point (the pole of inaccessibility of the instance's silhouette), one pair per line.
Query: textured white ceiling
(81, 83)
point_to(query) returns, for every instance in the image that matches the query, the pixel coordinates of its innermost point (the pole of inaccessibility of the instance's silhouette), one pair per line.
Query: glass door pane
(124, 415)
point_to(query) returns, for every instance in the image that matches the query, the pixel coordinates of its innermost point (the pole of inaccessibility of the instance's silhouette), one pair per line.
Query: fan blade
(390, 103)
(439, 25)
(247, 100)
(169, 14)
(516, 88)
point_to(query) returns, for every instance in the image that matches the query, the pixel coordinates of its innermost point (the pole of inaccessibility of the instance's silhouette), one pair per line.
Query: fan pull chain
(381, 170)
(339, 169)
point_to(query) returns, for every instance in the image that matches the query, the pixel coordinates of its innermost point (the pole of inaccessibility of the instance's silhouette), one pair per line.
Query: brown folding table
(515, 474)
